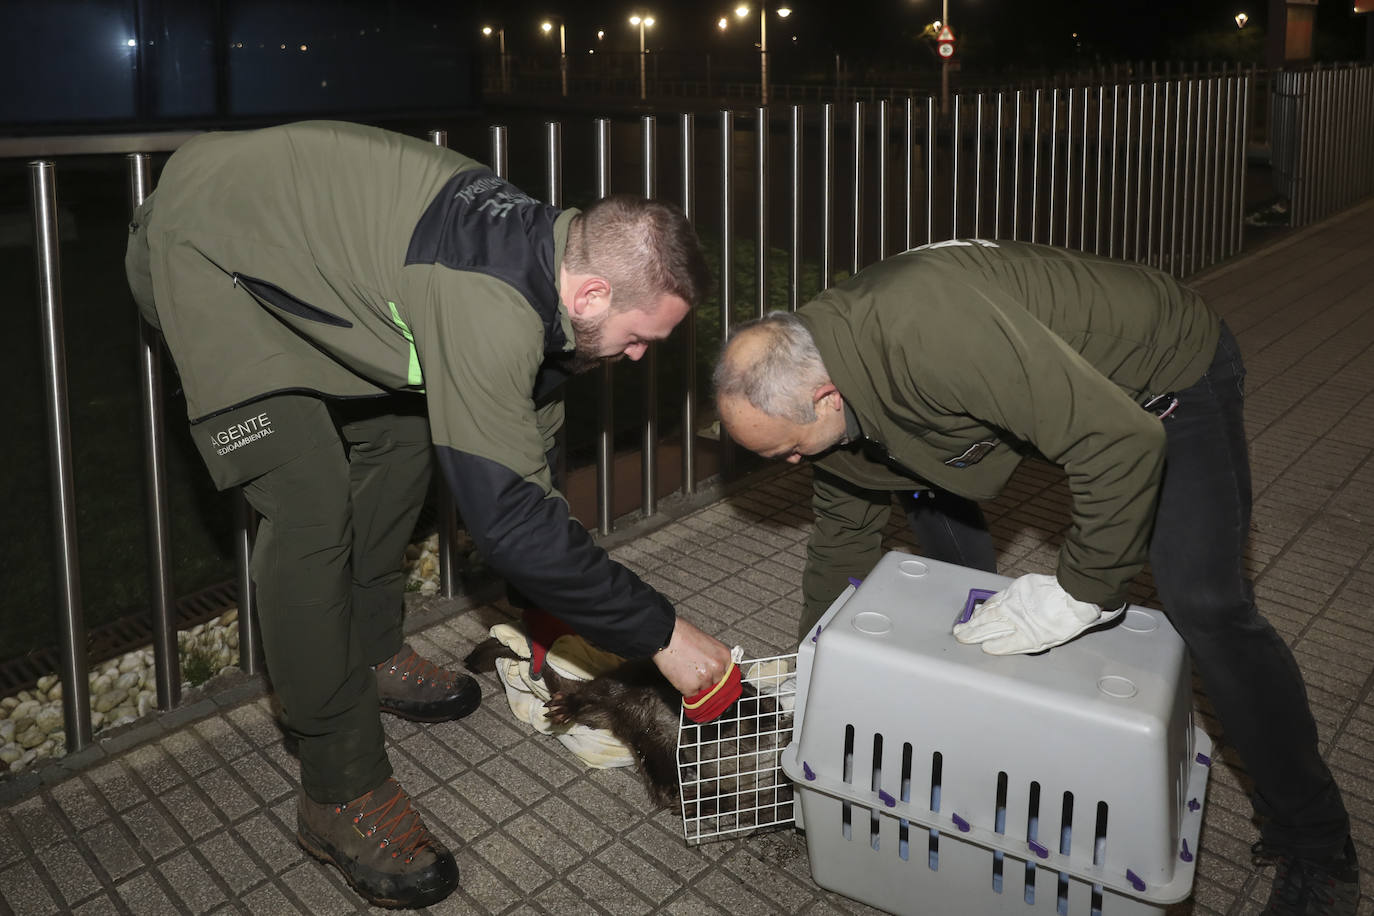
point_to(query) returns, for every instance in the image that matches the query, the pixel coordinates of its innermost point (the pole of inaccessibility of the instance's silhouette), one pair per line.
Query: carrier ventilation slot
(875, 786)
(903, 825)
(1000, 826)
(1099, 853)
(1065, 844)
(846, 809)
(936, 765)
(1032, 838)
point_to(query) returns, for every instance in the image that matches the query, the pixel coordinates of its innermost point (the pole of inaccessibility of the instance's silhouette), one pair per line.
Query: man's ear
(591, 297)
(827, 397)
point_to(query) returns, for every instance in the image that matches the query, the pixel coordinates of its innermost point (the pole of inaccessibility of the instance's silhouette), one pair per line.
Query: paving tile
(66, 867)
(191, 811)
(595, 881)
(37, 820)
(111, 851)
(22, 891)
(320, 887)
(100, 906)
(192, 883)
(79, 804)
(269, 899)
(143, 895)
(231, 862)
(120, 791)
(270, 842)
(154, 767)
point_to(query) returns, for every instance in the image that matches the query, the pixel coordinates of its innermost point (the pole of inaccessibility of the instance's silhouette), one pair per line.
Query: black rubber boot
(414, 688)
(1313, 887)
(382, 847)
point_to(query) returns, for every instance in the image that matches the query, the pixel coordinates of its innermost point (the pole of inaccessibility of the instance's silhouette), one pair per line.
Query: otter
(727, 767)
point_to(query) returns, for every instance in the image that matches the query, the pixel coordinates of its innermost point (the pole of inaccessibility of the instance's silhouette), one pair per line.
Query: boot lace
(419, 669)
(405, 833)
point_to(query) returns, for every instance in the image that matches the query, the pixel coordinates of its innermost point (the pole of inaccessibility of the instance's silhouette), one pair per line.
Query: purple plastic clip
(855, 582)
(975, 595)
(1039, 850)
(1136, 881)
(809, 773)
(1194, 804)
(816, 635)
(1185, 855)
(959, 822)
(887, 799)
(1204, 760)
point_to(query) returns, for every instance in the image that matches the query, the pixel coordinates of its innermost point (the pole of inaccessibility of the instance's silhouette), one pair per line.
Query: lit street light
(547, 26)
(501, 38)
(1241, 19)
(742, 11)
(644, 21)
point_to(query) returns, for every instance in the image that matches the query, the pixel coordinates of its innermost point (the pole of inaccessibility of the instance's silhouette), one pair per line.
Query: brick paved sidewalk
(194, 813)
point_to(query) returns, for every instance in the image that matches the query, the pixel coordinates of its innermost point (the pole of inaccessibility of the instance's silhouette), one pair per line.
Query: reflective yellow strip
(414, 376)
(712, 692)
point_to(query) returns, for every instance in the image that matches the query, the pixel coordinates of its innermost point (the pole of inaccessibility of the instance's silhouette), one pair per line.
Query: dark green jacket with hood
(348, 261)
(961, 358)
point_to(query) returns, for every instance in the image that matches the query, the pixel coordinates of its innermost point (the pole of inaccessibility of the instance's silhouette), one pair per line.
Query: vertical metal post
(1139, 172)
(605, 439)
(1203, 216)
(648, 454)
(1128, 148)
(795, 248)
(909, 163)
(997, 184)
(445, 507)
(883, 179)
(166, 661)
(1054, 156)
(1097, 176)
(1111, 208)
(932, 158)
(1175, 257)
(1083, 176)
(977, 163)
(689, 324)
(1035, 173)
(856, 260)
(761, 198)
(727, 265)
(500, 153)
(1068, 171)
(76, 701)
(1243, 131)
(955, 131)
(1150, 195)
(553, 196)
(827, 191)
(1016, 170)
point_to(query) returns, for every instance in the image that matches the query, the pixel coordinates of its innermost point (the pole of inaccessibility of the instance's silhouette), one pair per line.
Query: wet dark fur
(636, 703)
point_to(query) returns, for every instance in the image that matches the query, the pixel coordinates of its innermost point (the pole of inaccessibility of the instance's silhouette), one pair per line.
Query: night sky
(1016, 32)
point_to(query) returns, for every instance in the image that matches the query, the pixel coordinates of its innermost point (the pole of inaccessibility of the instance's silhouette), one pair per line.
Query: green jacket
(348, 261)
(961, 358)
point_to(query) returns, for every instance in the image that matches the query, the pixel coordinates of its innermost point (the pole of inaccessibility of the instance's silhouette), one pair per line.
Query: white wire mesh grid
(729, 769)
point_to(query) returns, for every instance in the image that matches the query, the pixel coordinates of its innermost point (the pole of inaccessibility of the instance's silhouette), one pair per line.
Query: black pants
(336, 520)
(1197, 556)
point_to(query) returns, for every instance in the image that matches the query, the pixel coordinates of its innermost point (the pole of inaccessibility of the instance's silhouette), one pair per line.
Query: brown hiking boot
(415, 688)
(382, 847)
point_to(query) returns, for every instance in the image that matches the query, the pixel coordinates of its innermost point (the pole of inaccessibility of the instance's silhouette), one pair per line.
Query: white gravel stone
(31, 738)
(109, 699)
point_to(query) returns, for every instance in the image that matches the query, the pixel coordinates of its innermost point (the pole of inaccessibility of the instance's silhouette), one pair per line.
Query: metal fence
(1323, 139)
(1150, 171)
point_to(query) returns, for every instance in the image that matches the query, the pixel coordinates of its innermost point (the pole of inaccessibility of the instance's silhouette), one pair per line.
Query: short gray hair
(781, 379)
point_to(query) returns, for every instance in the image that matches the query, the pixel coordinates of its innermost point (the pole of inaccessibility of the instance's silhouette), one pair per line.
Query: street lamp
(500, 33)
(547, 26)
(742, 11)
(644, 21)
(1241, 19)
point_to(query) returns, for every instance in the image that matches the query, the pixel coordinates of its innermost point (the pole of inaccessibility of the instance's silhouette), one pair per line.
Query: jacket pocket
(275, 297)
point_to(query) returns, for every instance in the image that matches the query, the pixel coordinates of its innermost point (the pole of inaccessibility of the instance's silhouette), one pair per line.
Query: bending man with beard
(339, 300)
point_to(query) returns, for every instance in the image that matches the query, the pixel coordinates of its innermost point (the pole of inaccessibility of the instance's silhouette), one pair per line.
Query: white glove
(1032, 614)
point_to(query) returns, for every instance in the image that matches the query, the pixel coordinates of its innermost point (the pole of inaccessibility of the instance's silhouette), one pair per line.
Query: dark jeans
(1197, 555)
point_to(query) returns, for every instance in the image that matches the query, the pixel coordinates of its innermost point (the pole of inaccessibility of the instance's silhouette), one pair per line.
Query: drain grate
(113, 639)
